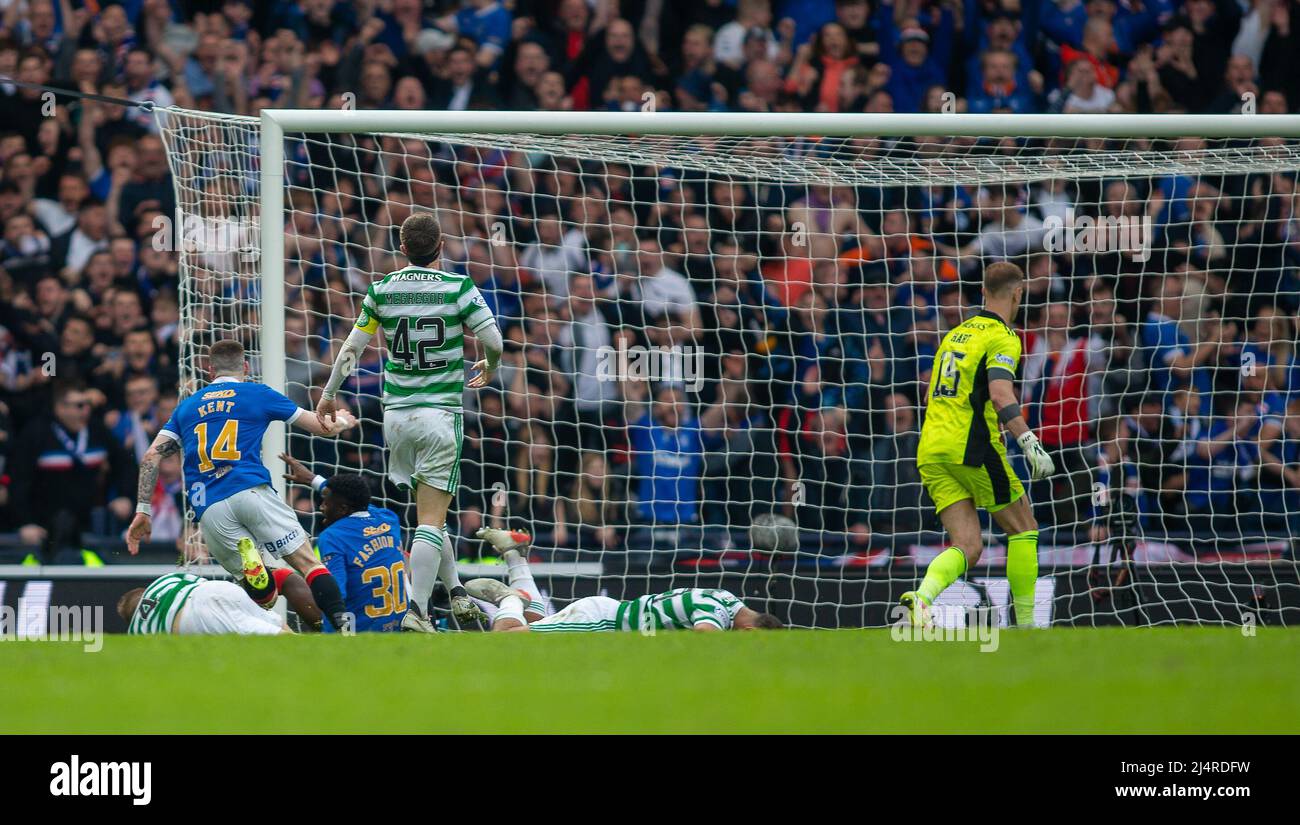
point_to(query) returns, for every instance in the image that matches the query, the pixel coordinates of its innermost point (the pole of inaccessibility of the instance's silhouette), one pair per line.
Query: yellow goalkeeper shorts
(991, 487)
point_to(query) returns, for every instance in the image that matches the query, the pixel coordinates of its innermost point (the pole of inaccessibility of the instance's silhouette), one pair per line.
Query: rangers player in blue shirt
(219, 432)
(362, 547)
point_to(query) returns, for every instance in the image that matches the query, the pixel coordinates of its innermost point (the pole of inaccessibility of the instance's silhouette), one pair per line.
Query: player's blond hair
(1002, 277)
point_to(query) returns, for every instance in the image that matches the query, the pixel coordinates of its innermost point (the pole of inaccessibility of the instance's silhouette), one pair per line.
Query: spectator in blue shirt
(487, 23)
(1065, 22)
(1215, 461)
(1279, 471)
(1002, 32)
(201, 68)
(1000, 88)
(915, 62)
(668, 459)
(1170, 355)
(808, 16)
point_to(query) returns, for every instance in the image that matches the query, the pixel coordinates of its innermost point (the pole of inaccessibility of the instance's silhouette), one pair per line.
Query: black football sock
(264, 596)
(329, 598)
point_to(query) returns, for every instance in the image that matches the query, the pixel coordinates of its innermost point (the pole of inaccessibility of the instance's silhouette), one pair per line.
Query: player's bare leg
(509, 602)
(324, 590)
(264, 579)
(434, 558)
(1017, 518)
(296, 592)
(962, 522)
(512, 546)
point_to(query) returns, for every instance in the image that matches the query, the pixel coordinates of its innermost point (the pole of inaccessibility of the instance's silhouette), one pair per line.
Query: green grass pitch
(1069, 680)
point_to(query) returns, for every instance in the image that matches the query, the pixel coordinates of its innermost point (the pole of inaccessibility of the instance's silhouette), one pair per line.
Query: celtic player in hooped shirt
(685, 608)
(187, 605)
(961, 458)
(425, 313)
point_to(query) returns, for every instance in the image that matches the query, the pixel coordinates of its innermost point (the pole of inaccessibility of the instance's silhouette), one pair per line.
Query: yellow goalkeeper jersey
(960, 424)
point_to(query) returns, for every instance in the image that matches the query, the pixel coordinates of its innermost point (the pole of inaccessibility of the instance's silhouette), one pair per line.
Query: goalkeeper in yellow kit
(961, 457)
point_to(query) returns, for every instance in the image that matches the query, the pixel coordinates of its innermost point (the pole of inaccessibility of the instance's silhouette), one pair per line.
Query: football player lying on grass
(189, 605)
(518, 608)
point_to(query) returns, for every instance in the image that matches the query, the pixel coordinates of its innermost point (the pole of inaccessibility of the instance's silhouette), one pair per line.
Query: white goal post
(816, 169)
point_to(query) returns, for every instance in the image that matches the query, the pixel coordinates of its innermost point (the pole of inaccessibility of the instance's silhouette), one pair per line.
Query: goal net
(707, 335)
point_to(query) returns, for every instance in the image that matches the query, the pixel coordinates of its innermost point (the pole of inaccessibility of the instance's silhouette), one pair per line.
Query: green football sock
(943, 571)
(1022, 573)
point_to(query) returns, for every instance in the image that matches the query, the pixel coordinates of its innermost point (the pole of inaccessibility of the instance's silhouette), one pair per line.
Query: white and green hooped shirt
(424, 313)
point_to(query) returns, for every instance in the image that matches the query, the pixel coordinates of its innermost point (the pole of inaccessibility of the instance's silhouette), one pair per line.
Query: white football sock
(511, 607)
(520, 577)
(425, 558)
(447, 562)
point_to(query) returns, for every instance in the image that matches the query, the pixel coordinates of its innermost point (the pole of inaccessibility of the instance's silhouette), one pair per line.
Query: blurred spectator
(592, 513)
(915, 62)
(829, 488)
(739, 464)
(1218, 460)
(667, 456)
(1000, 89)
(549, 259)
(72, 250)
(1167, 349)
(64, 467)
(819, 68)
(1082, 93)
(1179, 71)
(1060, 377)
(464, 86)
(1279, 471)
(588, 348)
(486, 22)
(664, 290)
(897, 502)
(753, 19)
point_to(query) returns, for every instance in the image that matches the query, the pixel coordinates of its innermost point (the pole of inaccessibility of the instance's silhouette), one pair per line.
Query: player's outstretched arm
(489, 335)
(1002, 393)
(297, 472)
(348, 358)
(164, 444)
(339, 421)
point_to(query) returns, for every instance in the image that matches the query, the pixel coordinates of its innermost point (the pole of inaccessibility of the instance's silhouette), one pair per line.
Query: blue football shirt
(363, 552)
(220, 429)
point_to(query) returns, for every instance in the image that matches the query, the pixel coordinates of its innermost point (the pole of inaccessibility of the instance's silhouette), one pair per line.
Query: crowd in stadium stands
(1176, 379)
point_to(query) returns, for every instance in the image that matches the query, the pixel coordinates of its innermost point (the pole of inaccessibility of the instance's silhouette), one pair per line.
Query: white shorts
(256, 513)
(590, 614)
(224, 607)
(424, 446)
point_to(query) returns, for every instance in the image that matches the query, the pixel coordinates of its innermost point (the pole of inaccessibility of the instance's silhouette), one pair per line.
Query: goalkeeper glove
(1040, 463)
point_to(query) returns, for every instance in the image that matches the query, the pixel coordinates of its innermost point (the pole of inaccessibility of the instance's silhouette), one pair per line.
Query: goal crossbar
(746, 124)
